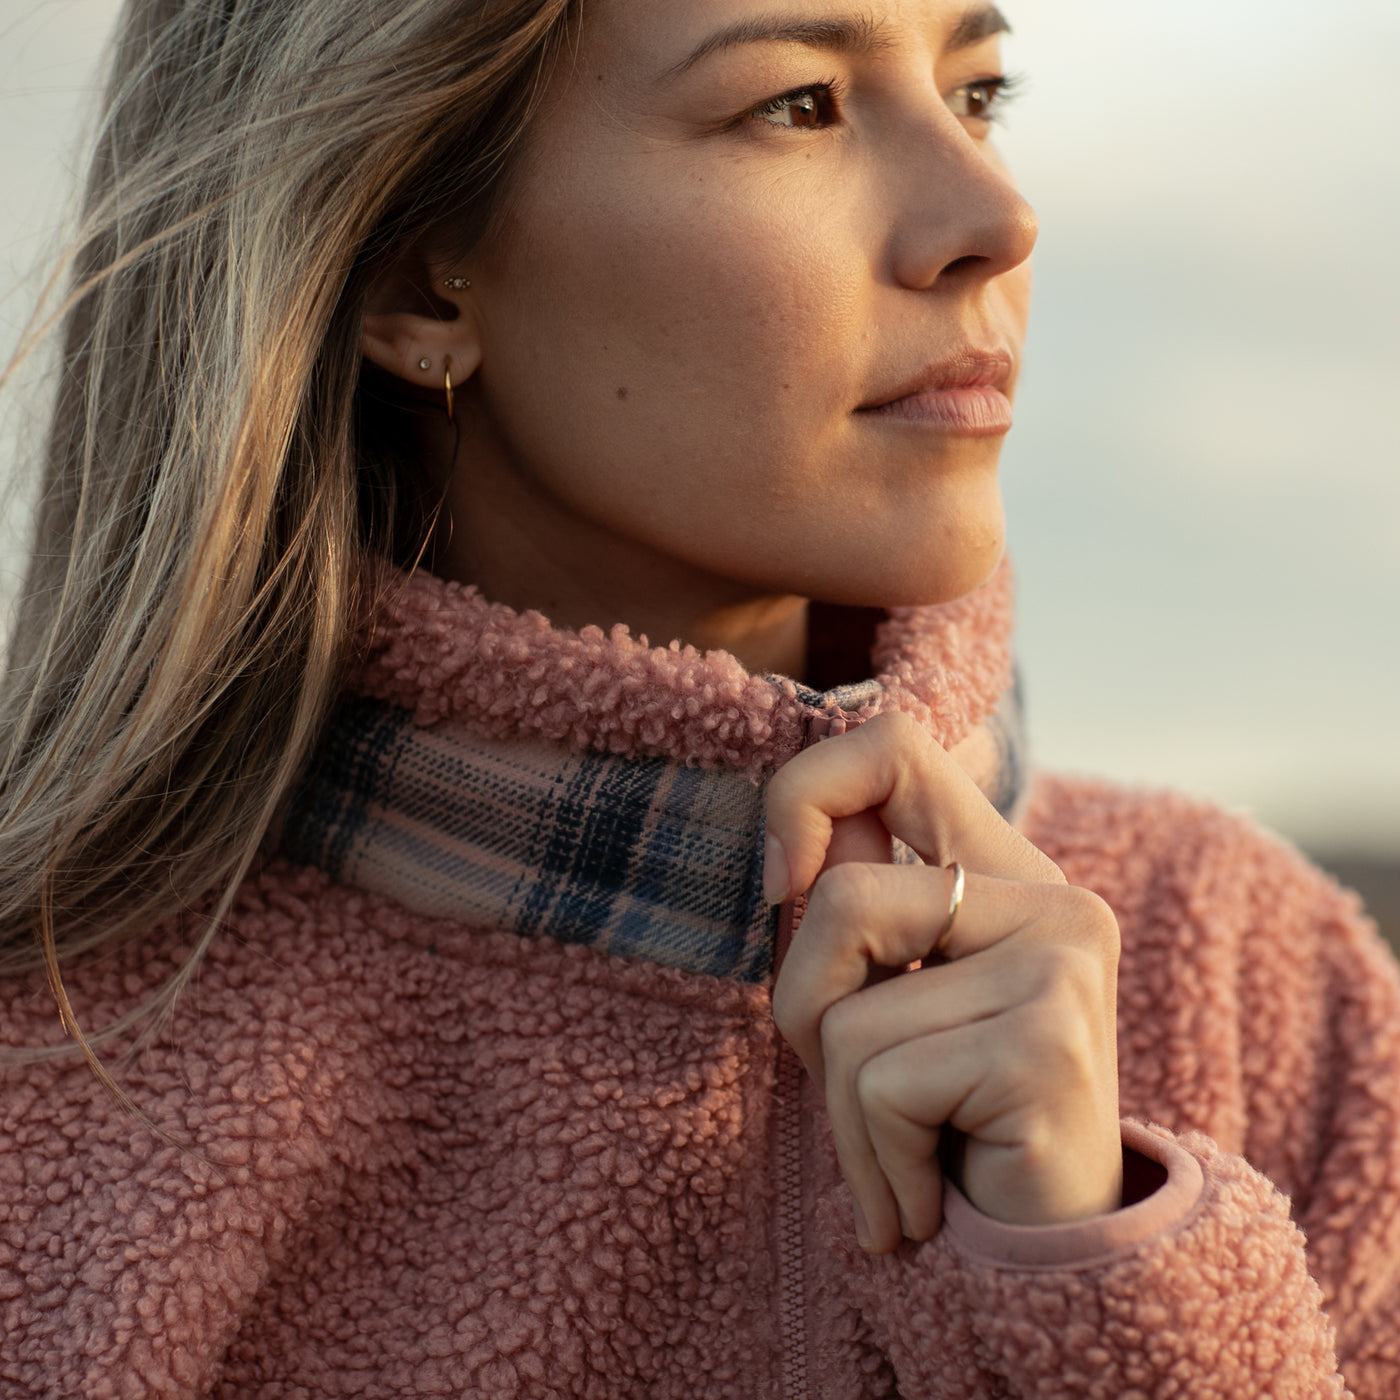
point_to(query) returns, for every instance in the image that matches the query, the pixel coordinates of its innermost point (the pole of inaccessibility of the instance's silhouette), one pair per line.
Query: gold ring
(954, 903)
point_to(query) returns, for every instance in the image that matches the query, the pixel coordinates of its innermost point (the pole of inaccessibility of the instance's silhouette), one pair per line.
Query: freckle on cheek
(622, 392)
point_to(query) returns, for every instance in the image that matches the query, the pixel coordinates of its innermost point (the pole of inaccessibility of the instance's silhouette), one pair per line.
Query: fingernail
(776, 877)
(862, 1229)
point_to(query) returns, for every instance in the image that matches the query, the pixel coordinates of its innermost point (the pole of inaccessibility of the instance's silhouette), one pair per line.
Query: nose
(961, 219)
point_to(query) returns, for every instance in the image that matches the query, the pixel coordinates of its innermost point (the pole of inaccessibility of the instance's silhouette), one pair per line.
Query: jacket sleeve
(1270, 1247)
(1321, 1079)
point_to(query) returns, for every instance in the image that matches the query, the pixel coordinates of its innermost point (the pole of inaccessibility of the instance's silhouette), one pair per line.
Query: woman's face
(755, 300)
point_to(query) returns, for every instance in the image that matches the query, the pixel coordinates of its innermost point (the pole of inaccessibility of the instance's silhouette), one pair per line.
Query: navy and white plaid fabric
(641, 858)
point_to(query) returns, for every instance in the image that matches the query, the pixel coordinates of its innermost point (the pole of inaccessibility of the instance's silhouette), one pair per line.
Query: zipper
(789, 1213)
(788, 1203)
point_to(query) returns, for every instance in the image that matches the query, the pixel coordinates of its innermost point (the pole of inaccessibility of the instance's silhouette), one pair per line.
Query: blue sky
(1202, 484)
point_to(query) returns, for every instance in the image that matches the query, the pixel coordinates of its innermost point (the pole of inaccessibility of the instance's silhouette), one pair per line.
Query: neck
(521, 547)
(765, 634)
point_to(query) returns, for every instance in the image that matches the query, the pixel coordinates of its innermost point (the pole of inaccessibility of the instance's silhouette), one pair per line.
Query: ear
(412, 315)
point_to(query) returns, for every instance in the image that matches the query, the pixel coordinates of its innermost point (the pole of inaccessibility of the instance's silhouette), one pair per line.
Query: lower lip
(976, 411)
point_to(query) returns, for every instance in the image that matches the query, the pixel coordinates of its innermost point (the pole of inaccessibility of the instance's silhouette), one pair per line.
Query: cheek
(696, 317)
(675, 357)
(1015, 287)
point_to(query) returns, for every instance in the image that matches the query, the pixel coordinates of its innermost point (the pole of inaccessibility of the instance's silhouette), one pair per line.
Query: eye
(811, 106)
(984, 99)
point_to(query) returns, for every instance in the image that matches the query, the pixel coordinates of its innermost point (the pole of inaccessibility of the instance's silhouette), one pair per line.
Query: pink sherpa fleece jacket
(426, 1159)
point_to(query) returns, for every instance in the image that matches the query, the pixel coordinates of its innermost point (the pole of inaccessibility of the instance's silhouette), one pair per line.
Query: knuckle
(784, 788)
(895, 727)
(1044, 970)
(1040, 1026)
(844, 894)
(902, 738)
(1056, 1037)
(1066, 1023)
(1039, 1139)
(785, 1012)
(1091, 921)
(1070, 979)
(877, 1089)
(840, 1028)
(1052, 966)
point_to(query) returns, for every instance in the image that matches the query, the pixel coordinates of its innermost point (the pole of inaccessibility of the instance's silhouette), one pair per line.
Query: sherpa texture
(443, 652)
(427, 1159)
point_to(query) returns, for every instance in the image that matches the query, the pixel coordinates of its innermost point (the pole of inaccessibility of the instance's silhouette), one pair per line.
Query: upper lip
(966, 368)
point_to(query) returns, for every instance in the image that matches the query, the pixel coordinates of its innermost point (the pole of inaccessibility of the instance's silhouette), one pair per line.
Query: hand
(1011, 1042)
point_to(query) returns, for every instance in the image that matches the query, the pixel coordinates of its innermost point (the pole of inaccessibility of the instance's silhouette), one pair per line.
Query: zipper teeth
(792, 1297)
(787, 1148)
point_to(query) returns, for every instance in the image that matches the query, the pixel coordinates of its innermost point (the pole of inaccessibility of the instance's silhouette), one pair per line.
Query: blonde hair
(212, 482)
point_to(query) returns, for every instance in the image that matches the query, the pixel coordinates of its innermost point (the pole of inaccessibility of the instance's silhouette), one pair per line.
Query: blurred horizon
(1201, 488)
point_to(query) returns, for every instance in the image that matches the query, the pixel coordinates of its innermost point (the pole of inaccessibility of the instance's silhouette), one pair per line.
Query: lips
(962, 395)
(967, 368)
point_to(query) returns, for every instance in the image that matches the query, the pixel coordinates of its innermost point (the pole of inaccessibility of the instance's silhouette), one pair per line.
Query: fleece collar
(496, 771)
(442, 652)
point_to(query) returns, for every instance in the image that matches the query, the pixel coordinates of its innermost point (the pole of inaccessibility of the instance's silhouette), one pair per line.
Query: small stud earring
(457, 283)
(425, 363)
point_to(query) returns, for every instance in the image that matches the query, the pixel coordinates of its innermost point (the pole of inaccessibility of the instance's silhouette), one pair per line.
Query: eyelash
(1000, 90)
(831, 91)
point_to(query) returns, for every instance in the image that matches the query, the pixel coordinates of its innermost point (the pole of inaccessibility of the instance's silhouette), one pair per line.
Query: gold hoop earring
(447, 384)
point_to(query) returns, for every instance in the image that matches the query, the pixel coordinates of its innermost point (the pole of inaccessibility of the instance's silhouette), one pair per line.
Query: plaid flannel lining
(641, 858)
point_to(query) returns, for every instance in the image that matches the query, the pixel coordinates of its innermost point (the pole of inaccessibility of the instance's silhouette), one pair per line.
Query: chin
(947, 583)
(935, 564)
(935, 577)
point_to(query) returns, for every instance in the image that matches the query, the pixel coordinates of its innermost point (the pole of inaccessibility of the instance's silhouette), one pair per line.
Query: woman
(703, 320)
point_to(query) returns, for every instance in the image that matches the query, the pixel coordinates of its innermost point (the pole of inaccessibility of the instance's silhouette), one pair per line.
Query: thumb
(891, 769)
(859, 837)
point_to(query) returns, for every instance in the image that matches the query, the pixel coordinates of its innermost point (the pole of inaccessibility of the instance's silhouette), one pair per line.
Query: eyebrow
(852, 34)
(982, 22)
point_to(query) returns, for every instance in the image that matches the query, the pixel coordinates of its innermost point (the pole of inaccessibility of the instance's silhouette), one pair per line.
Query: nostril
(971, 263)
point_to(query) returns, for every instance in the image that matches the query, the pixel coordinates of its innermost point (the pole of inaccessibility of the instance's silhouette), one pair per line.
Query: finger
(1035, 1153)
(1004, 1079)
(887, 1119)
(862, 837)
(1074, 994)
(892, 915)
(863, 1028)
(891, 765)
(882, 1216)
(878, 1220)
(901, 1092)
(879, 1225)
(860, 1029)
